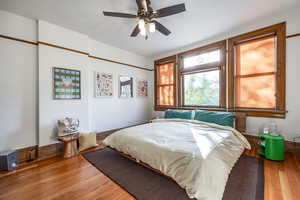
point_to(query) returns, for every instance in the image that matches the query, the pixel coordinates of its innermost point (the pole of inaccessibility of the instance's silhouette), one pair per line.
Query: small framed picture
(66, 84)
(125, 87)
(142, 88)
(104, 85)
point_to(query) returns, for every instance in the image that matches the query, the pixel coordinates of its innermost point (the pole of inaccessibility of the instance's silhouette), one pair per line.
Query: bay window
(245, 73)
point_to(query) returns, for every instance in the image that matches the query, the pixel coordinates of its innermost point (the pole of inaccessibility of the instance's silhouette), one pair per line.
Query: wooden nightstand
(70, 144)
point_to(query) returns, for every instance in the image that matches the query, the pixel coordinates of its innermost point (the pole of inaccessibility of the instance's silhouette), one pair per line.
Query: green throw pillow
(179, 114)
(221, 118)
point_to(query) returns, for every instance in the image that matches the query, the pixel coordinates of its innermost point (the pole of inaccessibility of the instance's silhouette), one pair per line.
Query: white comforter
(198, 156)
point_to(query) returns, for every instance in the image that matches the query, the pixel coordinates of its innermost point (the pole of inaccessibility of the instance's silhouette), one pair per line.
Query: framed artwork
(103, 85)
(125, 87)
(66, 84)
(142, 88)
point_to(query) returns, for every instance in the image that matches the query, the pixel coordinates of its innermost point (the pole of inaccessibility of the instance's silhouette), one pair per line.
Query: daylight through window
(202, 89)
(209, 57)
(165, 84)
(256, 73)
(202, 75)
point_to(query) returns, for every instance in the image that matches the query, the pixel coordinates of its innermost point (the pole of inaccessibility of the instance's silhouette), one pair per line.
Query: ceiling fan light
(143, 31)
(152, 27)
(141, 24)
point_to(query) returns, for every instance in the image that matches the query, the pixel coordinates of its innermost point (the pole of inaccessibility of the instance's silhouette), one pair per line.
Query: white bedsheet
(198, 156)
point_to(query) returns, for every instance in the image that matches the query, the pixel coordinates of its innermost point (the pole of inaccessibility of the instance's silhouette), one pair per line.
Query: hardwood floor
(75, 178)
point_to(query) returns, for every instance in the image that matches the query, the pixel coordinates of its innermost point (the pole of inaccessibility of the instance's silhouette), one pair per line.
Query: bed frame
(140, 162)
(240, 125)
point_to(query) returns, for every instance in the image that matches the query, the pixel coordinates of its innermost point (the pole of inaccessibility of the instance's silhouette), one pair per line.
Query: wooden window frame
(221, 66)
(279, 30)
(157, 63)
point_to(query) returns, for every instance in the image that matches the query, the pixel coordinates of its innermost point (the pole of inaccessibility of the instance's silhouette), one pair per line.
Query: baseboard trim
(27, 154)
(33, 153)
(51, 150)
(291, 147)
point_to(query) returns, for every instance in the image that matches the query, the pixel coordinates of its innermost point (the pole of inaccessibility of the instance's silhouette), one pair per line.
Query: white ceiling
(203, 19)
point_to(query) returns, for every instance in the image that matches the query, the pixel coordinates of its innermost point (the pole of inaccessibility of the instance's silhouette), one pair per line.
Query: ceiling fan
(147, 16)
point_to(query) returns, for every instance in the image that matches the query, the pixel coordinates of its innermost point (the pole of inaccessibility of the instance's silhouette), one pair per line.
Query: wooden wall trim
(94, 57)
(293, 35)
(27, 153)
(64, 48)
(74, 51)
(50, 151)
(117, 62)
(18, 40)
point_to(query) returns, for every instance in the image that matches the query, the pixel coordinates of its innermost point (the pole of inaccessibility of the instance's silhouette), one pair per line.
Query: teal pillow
(180, 114)
(221, 118)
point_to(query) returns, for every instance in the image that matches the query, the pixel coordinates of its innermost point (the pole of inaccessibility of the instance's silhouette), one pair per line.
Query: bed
(196, 155)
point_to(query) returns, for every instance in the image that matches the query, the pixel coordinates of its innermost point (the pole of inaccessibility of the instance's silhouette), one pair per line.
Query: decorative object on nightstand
(67, 126)
(70, 144)
(271, 147)
(68, 134)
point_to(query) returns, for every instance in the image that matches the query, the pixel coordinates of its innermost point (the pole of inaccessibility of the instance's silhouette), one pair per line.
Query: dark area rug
(246, 181)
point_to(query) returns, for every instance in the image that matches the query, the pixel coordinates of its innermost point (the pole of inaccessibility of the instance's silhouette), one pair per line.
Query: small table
(70, 144)
(271, 147)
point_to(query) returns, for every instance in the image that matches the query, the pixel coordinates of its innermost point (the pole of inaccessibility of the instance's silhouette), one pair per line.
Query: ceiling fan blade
(172, 10)
(135, 32)
(161, 28)
(117, 14)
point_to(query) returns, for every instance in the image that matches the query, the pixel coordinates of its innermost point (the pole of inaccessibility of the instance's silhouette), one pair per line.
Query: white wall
(111, 113)
(51, 110)
(28, 112)
(18, 69)
(102, 50)
(18, 89)
(288, 127)
(19, 27)
(94, 114)
(57, 35)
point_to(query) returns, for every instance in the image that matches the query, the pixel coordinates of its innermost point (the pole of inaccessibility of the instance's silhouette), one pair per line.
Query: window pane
(257, 56)
(202, 88)
(256, 92)
(256, 74)
(166, 95)
(205, 58)
(166, 74)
